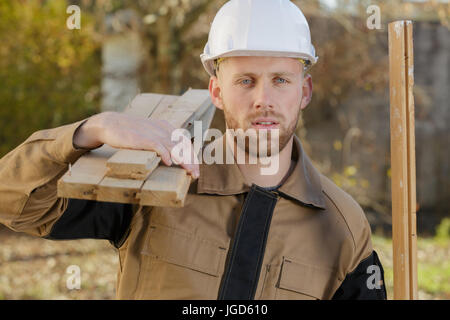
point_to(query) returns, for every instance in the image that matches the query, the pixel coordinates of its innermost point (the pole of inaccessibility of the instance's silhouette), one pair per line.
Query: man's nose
(263, 96)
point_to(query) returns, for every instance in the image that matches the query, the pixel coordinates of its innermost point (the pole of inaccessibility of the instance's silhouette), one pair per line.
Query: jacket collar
(303, 184)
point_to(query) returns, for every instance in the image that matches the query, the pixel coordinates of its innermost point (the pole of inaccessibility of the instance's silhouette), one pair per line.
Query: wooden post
(403, 166)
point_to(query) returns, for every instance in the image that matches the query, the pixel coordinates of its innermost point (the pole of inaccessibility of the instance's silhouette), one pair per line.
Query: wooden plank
(132, 164)
(412, 204)
(84, 180)
(207, 118)
(144, 104)
(81, 181)
(398, 158)
(402, 160)
(187, 108)
(122, 181)
(118, 190)
(167, 186)
(166, 101)
(138, 164)
(135, 164)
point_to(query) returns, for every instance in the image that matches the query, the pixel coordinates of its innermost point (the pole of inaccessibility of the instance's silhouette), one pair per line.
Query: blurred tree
(174, 33)
(49, 74)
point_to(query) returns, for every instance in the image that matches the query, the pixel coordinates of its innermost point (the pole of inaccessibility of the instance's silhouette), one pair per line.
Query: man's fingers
(183, 154)
(193, 170)
(160, 149)
(155, 135)
(164, 150)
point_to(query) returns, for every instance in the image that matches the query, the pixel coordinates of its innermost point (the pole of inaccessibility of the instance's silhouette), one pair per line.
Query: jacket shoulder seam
(343, 217)
(355, 217)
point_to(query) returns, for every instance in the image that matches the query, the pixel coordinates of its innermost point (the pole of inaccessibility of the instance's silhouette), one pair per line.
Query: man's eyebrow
(277, 74)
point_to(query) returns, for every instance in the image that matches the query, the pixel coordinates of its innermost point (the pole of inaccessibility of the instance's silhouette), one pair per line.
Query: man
(291, 234)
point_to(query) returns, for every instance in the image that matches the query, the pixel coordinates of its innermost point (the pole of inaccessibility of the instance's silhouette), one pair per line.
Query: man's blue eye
(246, 81)
(281, 80)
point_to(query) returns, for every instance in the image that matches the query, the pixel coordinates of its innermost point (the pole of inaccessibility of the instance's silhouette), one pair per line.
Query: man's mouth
(265, 124)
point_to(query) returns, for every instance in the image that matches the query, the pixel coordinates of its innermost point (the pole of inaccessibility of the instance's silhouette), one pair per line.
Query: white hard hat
(275, 28)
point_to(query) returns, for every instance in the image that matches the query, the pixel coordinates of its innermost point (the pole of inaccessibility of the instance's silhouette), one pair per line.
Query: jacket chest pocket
(299, 281)
(179, 265)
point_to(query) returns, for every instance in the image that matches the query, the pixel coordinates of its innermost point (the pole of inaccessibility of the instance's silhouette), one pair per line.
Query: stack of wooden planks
(136, 176)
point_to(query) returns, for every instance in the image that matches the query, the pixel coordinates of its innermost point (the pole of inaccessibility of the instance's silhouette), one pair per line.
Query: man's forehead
(260, 65)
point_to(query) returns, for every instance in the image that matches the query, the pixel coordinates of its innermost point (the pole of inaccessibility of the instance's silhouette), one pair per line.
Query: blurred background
(51, 75)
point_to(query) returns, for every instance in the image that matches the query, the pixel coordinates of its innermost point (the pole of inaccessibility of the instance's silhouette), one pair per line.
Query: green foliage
(49, 75)
(435, 279)
(443, 232)
(433, 266)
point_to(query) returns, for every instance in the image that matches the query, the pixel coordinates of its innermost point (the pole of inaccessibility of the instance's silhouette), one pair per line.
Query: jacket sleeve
(366, 282)
(28, 192)
(364, 276)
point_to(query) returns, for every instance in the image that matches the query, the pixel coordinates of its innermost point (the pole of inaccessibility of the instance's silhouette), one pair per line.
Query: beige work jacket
(313, 238)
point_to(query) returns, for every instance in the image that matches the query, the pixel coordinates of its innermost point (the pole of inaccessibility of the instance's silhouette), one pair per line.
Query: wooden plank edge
(132, 171)
(82, 191)
(172, 198)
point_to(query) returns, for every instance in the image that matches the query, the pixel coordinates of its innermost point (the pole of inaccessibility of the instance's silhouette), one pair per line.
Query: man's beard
(286, 131)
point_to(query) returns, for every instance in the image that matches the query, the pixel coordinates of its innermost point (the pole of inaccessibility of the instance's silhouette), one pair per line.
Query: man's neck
(252, 172)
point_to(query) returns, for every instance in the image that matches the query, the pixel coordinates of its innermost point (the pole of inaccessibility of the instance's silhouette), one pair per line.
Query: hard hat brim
(208, 61)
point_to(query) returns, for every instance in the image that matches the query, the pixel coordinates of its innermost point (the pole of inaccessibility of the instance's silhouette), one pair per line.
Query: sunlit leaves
(46, 70)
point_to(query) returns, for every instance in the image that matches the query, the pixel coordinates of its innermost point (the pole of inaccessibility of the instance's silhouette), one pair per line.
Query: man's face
(256, 91)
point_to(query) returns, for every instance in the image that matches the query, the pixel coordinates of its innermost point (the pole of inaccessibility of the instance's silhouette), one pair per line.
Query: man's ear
(307, 88)
(215, 92)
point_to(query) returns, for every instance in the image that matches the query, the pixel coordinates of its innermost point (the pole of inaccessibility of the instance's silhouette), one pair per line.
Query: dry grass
(35, 268)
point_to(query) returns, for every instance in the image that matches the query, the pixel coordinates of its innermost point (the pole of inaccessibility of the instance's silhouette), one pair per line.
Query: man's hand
(128, 132)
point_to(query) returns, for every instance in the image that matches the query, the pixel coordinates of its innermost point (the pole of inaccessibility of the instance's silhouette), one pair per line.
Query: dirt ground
(35, 268)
